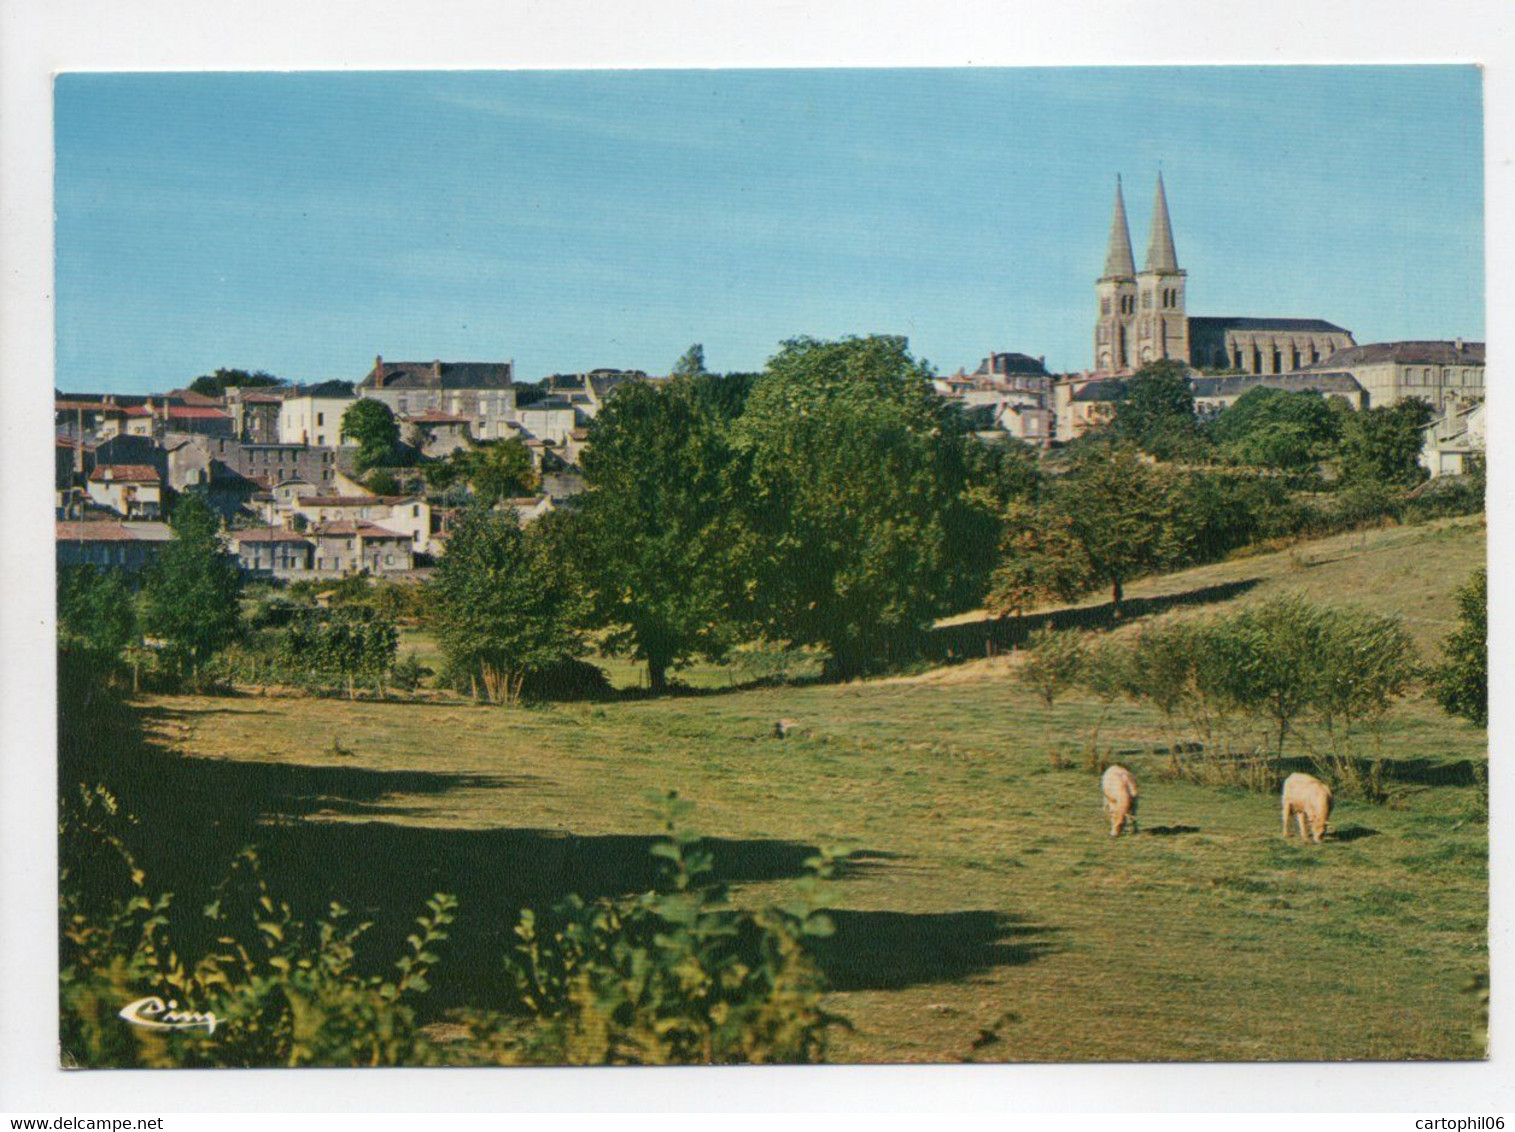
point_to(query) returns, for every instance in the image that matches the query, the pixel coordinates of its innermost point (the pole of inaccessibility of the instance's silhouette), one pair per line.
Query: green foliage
(1461, 681)
(1277, 428)
(191, 592)
(856, 499)
(502, 604)
(409, 673)
(340, 646)
(1157, 412)
(1121, 511)
(1278, 663)
(691, 364)
(371, 425)
(283, 993)
(1382, 445)
(658, 532)
(494, 470)
(676, 976)
(1051, 665)
(97, 611)
(1042, 559)
(216, 384)
(381, 481)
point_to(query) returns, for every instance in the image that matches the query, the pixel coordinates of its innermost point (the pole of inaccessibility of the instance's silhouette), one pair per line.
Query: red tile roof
(361, 527)
(94, 530)
(263, 534)
(124, 473)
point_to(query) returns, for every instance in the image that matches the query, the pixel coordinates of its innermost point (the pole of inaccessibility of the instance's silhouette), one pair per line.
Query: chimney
(436, 369)
(378, 371)
(1459, 345)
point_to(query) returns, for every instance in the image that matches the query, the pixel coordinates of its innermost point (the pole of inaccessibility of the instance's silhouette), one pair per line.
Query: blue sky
(304, 223)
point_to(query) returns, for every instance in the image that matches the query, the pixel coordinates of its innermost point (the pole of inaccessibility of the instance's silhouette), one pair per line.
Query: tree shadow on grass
(1170, 830)
(973, 639)
(893, 950)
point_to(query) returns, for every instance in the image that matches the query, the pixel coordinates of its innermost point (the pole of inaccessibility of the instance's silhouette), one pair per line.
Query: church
(1143, 315)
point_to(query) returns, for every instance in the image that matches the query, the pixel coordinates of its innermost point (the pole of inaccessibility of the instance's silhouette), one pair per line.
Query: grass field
(983, 894)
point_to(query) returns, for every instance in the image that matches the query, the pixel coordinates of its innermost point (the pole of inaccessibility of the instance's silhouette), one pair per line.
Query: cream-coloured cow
(1308, 800)
(1120, 798)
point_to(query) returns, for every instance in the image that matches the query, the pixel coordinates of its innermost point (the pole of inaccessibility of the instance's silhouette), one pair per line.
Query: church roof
(1282, 325)
(1407, 353)
(1119, 262)
(1160, 253)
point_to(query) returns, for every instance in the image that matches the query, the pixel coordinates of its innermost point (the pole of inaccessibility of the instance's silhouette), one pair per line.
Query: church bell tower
(1162, 327)
(1116, 291)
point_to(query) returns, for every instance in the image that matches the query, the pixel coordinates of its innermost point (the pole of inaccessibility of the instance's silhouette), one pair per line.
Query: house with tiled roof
(133, 491)
(481, 393)
(129, 546)
(351, 547)
(272, 551)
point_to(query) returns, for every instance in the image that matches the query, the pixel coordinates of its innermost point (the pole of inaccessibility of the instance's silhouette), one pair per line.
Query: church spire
(1160, 253)
(1118, 261)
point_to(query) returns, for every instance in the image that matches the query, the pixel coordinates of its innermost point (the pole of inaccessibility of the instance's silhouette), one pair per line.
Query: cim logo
(152, 1013)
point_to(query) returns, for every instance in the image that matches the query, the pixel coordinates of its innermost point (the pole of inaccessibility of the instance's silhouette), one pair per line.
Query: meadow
(983, 913)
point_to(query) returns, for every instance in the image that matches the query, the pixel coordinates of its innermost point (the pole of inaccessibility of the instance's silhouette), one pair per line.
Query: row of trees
(1283, 430)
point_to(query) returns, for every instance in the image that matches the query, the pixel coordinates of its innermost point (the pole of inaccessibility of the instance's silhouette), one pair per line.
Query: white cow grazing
(1120, 798)
(1307, 799)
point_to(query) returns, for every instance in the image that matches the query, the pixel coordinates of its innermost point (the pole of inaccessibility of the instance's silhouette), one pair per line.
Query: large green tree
(371, 425)
(191, 592)
(1278, 428)
(1382, 446)
(1122, 511)
(502, 604)
(1157, 412)
(856, 498)
(659, 530)
(1461, 681)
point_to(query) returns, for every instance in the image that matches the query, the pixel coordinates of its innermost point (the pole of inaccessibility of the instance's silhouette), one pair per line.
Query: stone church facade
(1143, 314)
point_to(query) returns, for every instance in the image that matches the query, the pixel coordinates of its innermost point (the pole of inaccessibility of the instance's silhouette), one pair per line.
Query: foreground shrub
(676, 976)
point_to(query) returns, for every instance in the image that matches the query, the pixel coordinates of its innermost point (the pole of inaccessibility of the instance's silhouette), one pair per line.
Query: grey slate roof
(1235, 385)
(438, 375)
(1013, 363)
(1282, 325)
(1406, 353)
(1111, 389)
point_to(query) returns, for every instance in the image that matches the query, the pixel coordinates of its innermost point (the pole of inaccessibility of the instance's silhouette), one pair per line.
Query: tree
(855, 499)
(372, 426)
(1050, 667)
(191, 592)
(498, 469)
(1382, 446)
(1461, 681)
(692, 364)
(501, 605)
(1278, 428)
(1157, 412)
(658, 524)
(216, 384)
(1041, 559)
(1121, 511)
(96, 611)
(344, 645)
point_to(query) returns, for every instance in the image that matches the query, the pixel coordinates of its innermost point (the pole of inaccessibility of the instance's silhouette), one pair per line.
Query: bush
(676, 976)
(1461, 682)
